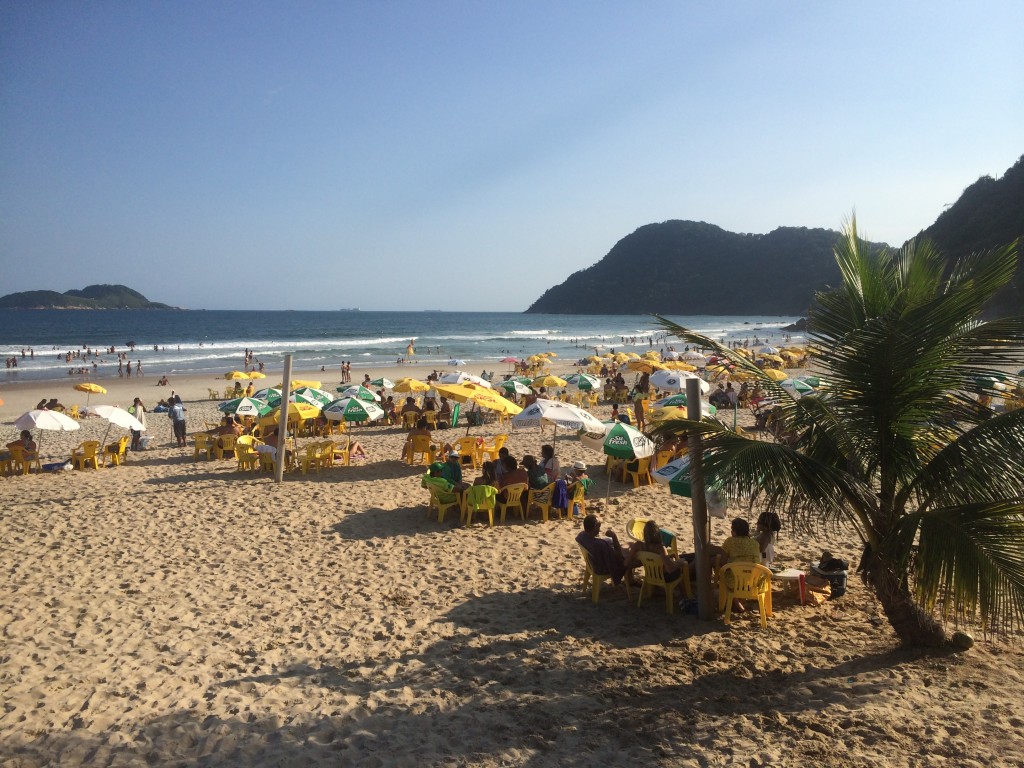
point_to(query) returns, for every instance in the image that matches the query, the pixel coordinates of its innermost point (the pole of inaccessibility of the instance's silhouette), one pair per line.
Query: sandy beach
(180, 612)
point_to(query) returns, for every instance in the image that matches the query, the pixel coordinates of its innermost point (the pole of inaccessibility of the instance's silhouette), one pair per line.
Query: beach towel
(560, 496)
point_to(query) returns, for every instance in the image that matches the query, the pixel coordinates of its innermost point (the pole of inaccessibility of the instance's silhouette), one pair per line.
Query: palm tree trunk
(913, 625)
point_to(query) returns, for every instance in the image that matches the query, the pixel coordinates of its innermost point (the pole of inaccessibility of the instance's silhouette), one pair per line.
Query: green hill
(690, 267)
(90, 297)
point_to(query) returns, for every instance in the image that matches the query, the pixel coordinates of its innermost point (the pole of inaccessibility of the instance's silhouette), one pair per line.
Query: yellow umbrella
(549, 354)
(298, 410)
(548, 381)
(679, 365)
(257, 375)
(236, 375)
(485, 398)
(775, 375)
(410, 385)
(90, 389)
(773, 358)
(296, 383)
(652, 354)
(647, 366)
(742, 351)
(632, 355)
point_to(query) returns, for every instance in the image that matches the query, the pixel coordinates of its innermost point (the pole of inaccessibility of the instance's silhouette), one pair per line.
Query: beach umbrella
(676, 475)
(679, 365)
(515, 387)
(796, 387)
(54, 421)
(359, 391)
(90, 389)
(775, 374)
(410, 385)
(675, 381)
(662, 409)
(482, 396)
(694, 356)
(559, 414)
(271, 396)
(246, 406)
(623, 441)
(584, 382)
(768, 350)
(548, 381)
(352, 409)
(118, 417)
(814, 381)
(646, 366)
(311, 396)
(236, 375)
(296, 383)
(383, 383)
(257, 375)
(773, 358)
(510, 360)
(461, 377)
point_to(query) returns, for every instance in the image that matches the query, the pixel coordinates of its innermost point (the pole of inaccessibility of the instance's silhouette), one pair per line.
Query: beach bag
(834, 571)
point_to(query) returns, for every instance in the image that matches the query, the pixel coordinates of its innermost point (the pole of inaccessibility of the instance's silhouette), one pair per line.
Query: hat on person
(579, 465)
(453, 454)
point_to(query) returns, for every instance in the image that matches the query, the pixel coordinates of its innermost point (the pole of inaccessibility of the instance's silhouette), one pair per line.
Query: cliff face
(90, 297)
(689, 267)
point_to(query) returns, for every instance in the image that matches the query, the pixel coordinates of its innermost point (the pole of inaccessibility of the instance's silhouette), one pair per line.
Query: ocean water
(212, 342)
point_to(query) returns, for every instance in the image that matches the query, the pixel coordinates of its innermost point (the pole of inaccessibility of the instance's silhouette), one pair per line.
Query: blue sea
(213, 341)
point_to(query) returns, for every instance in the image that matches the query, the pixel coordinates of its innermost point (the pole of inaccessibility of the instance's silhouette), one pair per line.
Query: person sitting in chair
(607, 556)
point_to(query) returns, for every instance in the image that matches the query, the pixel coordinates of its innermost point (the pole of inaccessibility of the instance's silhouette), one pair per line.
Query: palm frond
(969, 558)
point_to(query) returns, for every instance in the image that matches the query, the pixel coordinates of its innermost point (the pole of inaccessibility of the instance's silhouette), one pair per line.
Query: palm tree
(897, 443)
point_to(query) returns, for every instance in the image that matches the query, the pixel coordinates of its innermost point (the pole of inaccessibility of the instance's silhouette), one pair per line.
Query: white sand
(170, 612)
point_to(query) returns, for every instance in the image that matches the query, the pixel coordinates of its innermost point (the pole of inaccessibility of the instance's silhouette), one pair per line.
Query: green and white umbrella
(584, 382)
(318, 398)
(676, 475)
(623, 441)
(352, 409)
(360, 392)
(383, 382)
(678, 400)
(515, 387)
(246, 406)
(271, 396)
(796, 387)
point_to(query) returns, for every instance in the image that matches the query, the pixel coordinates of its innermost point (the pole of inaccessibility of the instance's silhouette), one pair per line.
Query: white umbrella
(461, 377)
(560, 414)
(115, 415)
(55, 421)
(693, 357)
(768, 350)
(583, 382)
(512, 385)
(796, 387)
(360, 392)
(675, 381)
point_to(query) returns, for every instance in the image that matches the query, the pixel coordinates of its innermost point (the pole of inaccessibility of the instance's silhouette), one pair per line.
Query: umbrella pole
(103, 444)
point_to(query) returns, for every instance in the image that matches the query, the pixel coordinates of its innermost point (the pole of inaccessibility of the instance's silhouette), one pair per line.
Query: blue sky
(469, 155)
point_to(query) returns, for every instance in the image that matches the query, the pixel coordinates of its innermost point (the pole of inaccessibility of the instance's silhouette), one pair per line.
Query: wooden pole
(282, 421)
(701, 528)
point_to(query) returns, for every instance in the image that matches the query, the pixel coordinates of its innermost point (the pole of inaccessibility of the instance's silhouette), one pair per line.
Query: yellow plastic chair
(7, 463)
(745, 580)
(224, 445)
(85, 454)
(422, 447)
(643, 470)
(310, 459)
(204, 444)
(635, 531)
(479, 498)
(431, 417)
(267, 463)
(654, 576)
(592, 400)
(490, 451)
(247, 457)
(74, 413)
(578, 498)
(504, 419)
(213, 394)
(541, 498)
(23, 462)
(409, 419)
(114, 454)
(590, 576)
(335, 452)
(441, 506)
(513, 499)
(469, 449)
(661, 458)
